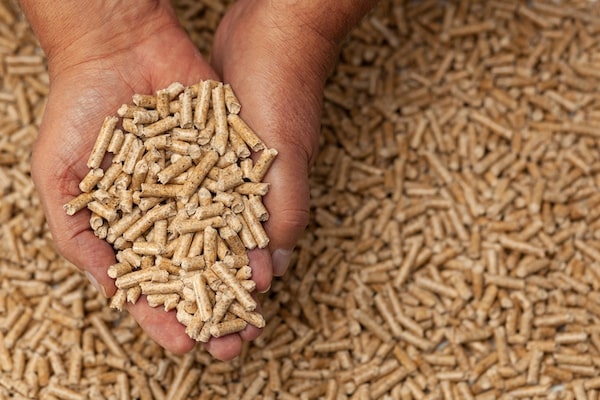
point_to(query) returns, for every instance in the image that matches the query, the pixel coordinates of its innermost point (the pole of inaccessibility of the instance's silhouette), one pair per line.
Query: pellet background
(452, 251)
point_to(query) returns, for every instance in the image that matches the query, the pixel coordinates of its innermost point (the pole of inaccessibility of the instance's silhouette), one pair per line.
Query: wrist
(329, 19)
(72, 31)
(309, 31)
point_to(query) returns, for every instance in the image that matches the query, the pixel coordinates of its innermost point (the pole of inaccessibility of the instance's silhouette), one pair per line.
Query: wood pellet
(452, 250)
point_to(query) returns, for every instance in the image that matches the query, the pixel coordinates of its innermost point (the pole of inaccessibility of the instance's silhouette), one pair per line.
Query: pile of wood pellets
(181, 203)
(452, 251)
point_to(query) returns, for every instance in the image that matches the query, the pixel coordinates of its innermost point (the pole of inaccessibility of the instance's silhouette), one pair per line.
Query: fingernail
(95, 283)
(266, 290)
(281, 261)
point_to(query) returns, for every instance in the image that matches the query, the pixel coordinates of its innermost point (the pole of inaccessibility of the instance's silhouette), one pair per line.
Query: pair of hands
(274, 59)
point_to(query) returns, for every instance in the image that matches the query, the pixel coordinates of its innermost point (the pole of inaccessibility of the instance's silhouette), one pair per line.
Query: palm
(81, 96)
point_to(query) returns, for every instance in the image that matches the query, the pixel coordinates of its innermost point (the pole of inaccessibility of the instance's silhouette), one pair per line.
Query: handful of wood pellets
(181, 203)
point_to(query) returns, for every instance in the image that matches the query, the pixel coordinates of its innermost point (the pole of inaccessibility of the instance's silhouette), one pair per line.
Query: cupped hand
(278, 69)
(88, 83)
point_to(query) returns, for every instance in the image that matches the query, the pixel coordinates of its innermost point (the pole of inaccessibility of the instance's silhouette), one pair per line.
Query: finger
(262, 269)
(225, 348)
(251, 332)
(229, 346)
(82, 248)
(161, 326)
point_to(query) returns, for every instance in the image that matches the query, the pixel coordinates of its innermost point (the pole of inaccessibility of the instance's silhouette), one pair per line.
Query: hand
(88, 82)
(277, 57)
(281, 100)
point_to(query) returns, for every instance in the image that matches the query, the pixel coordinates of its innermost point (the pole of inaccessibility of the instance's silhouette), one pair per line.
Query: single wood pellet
(452, 251)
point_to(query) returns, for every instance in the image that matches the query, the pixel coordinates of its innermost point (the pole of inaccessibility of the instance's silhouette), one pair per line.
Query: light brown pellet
(134, 278)
(202, 104)
(227, 327)
(175, 169)
(146, 221)
(234, 285)
(262, 165)
(185, 112)
(18, 328)
(63, 392)
(161, 126)
(246, 133)
(254, 225)
(231, 101)
(91, 179)
(101, 145)
(198, 173)
(78, 203)
(5, 357)
(221, 128)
